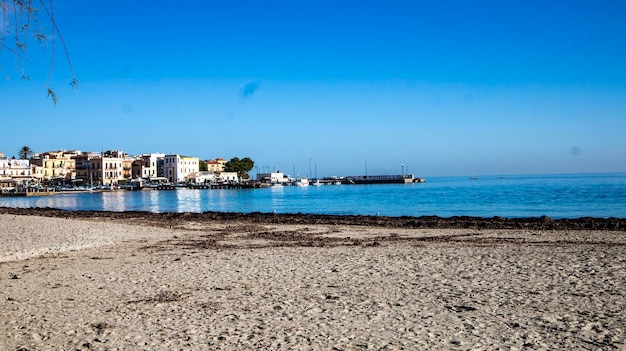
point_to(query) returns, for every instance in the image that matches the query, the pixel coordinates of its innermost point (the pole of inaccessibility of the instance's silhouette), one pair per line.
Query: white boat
(317, 182)
(301, 182)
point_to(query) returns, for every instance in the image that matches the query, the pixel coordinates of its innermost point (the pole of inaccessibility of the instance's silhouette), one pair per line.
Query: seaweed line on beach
(175, 219)
(246, 236)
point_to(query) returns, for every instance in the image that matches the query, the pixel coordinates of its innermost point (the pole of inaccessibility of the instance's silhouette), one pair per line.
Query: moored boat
(301, 182)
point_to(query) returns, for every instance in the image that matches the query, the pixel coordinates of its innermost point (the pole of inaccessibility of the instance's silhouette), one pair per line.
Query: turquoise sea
(557, 196)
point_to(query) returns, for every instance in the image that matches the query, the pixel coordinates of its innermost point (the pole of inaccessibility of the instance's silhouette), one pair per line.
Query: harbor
(147, 185)
(73, 171)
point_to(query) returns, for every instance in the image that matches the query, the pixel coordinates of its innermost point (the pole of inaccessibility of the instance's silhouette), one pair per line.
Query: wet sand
(140, 281)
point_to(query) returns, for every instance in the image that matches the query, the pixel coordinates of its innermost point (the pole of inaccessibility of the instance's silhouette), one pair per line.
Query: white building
(20, 168)
(20, 171)
(274, 177)
(176, 167)
(227, 177)
(4, 167)
(145, 166)
(202, 177)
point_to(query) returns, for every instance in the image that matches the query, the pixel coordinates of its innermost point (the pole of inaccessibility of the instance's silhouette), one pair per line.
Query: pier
(382, 179)
(28, 192)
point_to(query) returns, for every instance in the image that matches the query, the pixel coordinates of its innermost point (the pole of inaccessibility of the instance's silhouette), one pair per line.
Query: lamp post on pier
(403, 171)
(366, 170)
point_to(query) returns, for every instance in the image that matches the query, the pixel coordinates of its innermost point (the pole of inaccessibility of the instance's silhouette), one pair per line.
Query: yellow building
(216, 165)
(55, 165)
(127, 169)
(63, 168)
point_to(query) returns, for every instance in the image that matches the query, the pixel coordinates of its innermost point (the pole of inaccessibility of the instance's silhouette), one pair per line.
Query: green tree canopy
(25, 153)
(242, 167)
(202, 166)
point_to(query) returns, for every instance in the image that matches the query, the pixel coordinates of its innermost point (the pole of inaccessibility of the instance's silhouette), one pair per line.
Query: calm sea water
(557, 196)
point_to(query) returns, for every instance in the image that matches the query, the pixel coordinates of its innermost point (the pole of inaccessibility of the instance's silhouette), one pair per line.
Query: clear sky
(443, 87)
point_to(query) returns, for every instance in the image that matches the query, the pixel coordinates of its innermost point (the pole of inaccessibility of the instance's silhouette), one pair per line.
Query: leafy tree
(19, 21)
(202, 166)
(25, 153)
(242, 167)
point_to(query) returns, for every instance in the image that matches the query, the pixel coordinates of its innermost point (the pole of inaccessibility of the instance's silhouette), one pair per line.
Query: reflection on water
(277, 198)
(69, 201)
(114, 201)
(216, 200)
(187, 200)
(151, 200)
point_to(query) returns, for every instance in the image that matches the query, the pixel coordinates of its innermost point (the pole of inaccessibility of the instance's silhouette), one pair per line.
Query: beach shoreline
(422, 222)
(135, 281)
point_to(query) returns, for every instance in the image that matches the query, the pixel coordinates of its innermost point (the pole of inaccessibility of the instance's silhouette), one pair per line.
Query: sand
(103, 284)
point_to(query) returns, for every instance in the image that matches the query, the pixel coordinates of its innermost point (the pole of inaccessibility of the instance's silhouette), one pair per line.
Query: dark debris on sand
(425, 222)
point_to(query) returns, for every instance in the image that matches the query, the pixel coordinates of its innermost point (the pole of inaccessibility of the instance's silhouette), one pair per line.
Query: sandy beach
(101, 282)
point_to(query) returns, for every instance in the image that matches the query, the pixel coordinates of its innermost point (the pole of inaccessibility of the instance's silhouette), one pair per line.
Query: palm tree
(25, 153)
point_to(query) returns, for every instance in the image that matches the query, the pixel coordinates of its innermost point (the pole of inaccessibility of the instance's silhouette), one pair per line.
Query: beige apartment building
(83, 167)
(107, 168)
(51, 167)
(216, 165)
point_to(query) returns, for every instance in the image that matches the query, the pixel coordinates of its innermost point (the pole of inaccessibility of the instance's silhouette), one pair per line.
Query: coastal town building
(228, 177)
(57, 154)
(4, 166)
(113, 167)
(177, 168)
(216, 165)
(54, 166)
(37, 172)
(210, 177)
(5, 179)
(273, 177)
(127, 167)
(202, 177)
(105, 169)
(146, 166)
(83, 167)
(20, 169)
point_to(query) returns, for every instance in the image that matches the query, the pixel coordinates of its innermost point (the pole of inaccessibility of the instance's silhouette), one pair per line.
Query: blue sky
(443, 87)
